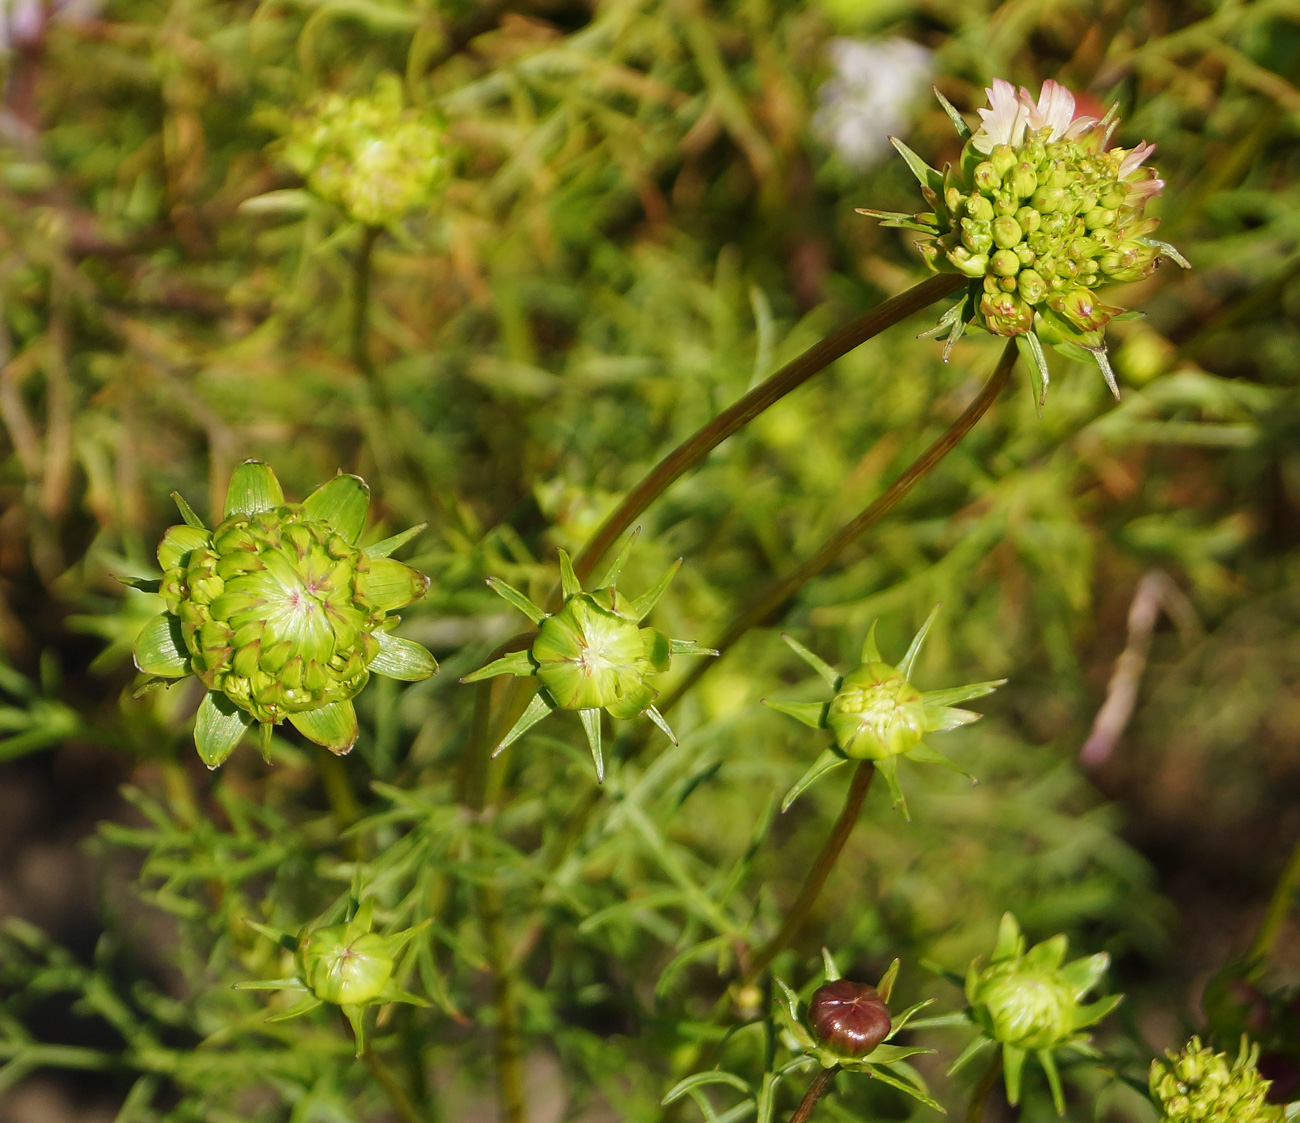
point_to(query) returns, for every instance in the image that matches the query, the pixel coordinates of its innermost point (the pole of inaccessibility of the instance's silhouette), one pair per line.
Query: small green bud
(1005, 263)
(877, 713)
(1033, 289)
(1197, 1084)
(1024, 182)
(1006, 314)
(973, 265)
(1006, 233)
(1003, 158)
(1028, 219)
(340, 967)
(986, 178)
(979, 208)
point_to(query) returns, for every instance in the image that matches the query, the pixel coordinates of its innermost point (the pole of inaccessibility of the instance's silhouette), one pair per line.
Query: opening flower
(877, 714)
(591, 655)
(1028, 1002)
(1039, 214)
(279, 613)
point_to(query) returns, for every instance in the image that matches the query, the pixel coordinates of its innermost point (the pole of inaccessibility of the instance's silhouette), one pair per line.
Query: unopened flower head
(348, 965)
(279, 613)
(877, 714)
(1041, 213)
(373, 157)
(592, 654)
(1032, 1002)
(849, 1025)
(1197, 1084)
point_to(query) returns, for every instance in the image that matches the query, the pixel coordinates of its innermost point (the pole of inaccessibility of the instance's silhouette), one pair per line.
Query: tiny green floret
(592, 654)
(1197, 1084)
(279, 613)
(1039, 214)
(347, 965)
(1030, 1002)
(877, 714)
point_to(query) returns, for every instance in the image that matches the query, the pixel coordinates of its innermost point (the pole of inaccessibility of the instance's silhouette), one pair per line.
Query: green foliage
(625, 222)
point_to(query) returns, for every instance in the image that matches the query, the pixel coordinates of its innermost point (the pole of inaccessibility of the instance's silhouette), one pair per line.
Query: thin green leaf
(959, 122)
(537, 709)
(387, 546)
(926, 175)
(702, 1079)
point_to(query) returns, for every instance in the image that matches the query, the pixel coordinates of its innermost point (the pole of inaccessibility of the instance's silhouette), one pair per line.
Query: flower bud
(849, 1018)
(345, 967)
(1023, 181)
(1003, 158)
(986, 178)
(877, 713)
(979, 208)
(1006, 232)
(1198, 1084)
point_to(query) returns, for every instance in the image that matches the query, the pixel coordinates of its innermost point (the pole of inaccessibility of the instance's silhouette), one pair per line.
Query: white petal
(1133, 159)
(1004, 121)
(1055, 108)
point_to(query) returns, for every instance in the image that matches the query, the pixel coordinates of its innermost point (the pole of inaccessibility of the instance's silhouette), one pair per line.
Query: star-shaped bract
(347, 965)
(591, 654)
(279, 613)
(883, 1061)
(1027, 1002)
(876, 714)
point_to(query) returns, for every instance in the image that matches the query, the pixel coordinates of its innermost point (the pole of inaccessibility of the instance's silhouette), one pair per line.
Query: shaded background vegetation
(642, 222)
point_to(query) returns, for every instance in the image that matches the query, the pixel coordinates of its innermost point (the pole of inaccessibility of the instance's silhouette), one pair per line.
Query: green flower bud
(341, 967)
(1003, 158)
(976, 236)
(591, 655)
(877, 714)
(373, 157)
(1032, 287)
(1024, 181)
(279, 614)
(1197, 1084)
(1006, 233)
(979, 208)
(986, 178)
(1030, 1002)
(1028, 219)
(1004, 263)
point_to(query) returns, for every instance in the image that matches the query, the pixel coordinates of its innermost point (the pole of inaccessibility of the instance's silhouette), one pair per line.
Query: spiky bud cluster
(1032, 1002)
(1040, 214)
(373, 157)
(1198, 1085)
(877, 714)
(591, 654)
(348, 965)
(278, 613)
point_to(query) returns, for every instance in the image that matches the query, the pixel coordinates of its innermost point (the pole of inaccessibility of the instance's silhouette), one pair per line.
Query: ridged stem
(819, 1087)
(818, 872)
(731, 420)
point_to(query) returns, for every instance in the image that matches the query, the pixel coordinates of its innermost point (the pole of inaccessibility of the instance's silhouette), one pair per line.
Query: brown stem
(817, 358)
(980, 1096)
(775, 595)
(819, 1087)
(817, 874)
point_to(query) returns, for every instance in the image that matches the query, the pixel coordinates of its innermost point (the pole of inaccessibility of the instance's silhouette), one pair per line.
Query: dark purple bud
(851, 1018)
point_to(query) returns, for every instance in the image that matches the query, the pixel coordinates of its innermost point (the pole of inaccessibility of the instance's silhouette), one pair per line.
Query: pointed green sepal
(639, 608)
(612, 574)
(537, 709)
(341, 504)
(516, 663)
(658, 718)
(829, 759)
(253, 488)
(1013, 1067)
(816, 662)
(812, 714)
(333, 725)
(402, 659)
(914, 648)
(591, 724)
(1048, 1063)
(569, 583)
(160, 649)
(926, 175)
(923, 754)
(391, 545)
(218, 728)
(302, 1006)
(958, 121)
(513, 596)
(885, 987)
(187, 512)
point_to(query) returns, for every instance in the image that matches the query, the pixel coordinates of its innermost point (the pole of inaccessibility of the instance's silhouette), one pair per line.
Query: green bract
(885, 1062)
(876, 714)
(1197, 1084)
(278, 612)
(373, 157)
(1027, 1002)
(592, 654)
(347, 965)
(1040, 214)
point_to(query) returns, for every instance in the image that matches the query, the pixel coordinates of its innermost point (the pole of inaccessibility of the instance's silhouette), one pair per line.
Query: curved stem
(819, 1087)
(361, 302)
(795, 373)
(1278, 907)
(980, 1096)
(406, 1111)
(775, 595)
(817, 874)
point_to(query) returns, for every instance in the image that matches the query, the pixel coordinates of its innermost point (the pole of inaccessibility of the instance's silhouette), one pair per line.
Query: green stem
(1278, 907)
(819, 1087)
(361, 302)
(980, 1096)
(775, 595)
(401, 1102)
(510, 1063)
(795, 373)
(817, 874)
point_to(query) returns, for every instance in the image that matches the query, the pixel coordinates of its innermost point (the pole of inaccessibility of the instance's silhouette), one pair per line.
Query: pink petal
(1055, 108)
(1133, 159)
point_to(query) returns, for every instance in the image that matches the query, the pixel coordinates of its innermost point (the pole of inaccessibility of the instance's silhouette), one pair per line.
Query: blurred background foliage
(650, 208)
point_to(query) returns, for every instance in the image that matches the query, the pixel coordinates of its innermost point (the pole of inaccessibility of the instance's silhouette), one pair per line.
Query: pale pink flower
(1055, 110)
(1005, 119)
(1134, 158)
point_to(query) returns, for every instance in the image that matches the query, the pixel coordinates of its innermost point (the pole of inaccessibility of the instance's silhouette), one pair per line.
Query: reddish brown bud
(850, 1018)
